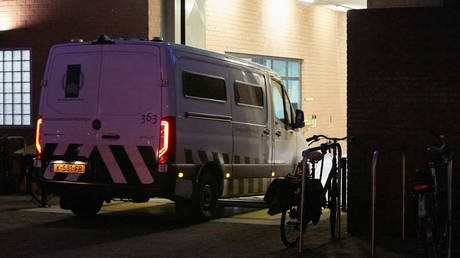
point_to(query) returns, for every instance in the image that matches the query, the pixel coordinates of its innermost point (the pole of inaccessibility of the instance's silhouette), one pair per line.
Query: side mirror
(299, 119)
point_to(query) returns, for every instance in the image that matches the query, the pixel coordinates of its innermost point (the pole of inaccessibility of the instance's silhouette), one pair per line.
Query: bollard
(449, 207)
(373, 186)
(344, 184)
(403, 213)
(302, 199)
(339, 191)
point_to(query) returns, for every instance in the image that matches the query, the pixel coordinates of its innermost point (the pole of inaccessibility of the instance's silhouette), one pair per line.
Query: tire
(430, 243)
(333, 208)
(290, 226)
(86, 207)
(205, 199)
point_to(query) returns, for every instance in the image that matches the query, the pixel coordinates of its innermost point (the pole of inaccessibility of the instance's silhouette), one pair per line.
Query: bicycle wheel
(430, 242)
(290, 226)
(34, 187)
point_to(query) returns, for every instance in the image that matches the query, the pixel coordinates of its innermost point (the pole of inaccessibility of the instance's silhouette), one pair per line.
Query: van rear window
(202, 86)
(249, 94)
(72, 83)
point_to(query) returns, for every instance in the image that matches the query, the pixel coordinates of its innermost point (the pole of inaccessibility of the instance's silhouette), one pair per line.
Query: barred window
(15, 87)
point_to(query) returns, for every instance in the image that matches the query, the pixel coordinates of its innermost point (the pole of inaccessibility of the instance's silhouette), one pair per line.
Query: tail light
(37, 137)
(166, 148)
(419, 187)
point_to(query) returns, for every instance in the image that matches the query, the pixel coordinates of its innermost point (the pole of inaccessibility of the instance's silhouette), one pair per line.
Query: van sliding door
(251, 135)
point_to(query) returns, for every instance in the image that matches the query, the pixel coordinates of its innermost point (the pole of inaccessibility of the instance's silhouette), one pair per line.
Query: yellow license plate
(69, 168)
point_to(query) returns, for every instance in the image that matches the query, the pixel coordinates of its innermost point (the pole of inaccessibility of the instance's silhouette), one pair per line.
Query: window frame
(250, 85)
(30, 92)
(204, 75)
(264, 59)
(284, 95)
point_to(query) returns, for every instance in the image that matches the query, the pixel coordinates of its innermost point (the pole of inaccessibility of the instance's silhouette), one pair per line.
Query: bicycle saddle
(315, 156)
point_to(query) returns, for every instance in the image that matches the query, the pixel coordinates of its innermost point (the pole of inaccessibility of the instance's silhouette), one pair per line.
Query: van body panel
(120, 88)
(204, 129)
(252, 146)
(102, 105)
(284, 137)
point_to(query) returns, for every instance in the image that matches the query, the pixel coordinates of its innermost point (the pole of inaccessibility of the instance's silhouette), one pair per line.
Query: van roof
(182, 48)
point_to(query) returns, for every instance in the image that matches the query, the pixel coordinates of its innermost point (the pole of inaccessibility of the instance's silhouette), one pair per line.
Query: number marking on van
(149, 118)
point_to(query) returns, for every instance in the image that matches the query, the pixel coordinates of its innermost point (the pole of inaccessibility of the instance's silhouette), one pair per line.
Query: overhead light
(307, 1)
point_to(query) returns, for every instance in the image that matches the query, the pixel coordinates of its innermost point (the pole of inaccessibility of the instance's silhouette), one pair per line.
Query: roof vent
(158, 39)
(104, 39)
(76, 40)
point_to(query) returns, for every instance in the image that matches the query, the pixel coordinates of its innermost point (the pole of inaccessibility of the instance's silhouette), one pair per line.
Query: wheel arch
(215, 169)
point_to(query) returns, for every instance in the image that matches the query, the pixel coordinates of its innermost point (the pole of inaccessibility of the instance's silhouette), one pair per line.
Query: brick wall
(38, 24)
(404, 3)
(403, 82)
(296, 30)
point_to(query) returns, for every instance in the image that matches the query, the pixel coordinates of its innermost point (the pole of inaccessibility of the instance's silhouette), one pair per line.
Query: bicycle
(28, 173)
(331, 188)
(434, 208)
(284, 195)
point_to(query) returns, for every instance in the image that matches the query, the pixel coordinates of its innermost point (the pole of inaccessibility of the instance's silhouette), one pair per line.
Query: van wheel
(206, 196)
(86, 207)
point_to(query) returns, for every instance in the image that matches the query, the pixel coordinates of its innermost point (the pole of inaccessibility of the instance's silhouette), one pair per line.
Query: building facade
(306, 44)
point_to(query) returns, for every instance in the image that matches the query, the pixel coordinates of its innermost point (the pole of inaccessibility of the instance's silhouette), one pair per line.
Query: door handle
(278, 133)
(111, 136)
(267, 131)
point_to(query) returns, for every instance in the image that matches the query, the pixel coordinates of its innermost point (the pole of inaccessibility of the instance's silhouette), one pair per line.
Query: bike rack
(375, 158)
(336, 147)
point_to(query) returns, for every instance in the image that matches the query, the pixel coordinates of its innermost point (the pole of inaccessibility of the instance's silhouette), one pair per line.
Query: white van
(138, 119)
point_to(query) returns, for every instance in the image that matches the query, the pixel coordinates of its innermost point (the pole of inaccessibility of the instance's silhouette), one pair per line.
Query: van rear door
(102, 103)
(129, 111)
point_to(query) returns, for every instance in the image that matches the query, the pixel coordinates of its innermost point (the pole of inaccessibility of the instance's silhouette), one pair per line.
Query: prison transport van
(137, 119)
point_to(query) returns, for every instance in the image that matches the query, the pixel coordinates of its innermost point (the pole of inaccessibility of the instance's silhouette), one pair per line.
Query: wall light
(5, 23)
(279, 9)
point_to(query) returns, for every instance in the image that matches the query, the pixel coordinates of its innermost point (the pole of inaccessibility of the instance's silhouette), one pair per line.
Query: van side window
(72, 82)
(278, 104)
(205, 87)
(247, 94)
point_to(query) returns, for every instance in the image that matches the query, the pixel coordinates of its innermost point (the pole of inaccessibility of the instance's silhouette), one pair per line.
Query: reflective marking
(48, 174)
(139, 165)
(85, 151)
(236, 186)
(60, 150)
(246, 185)
(111, 163)
(225, 191)
(255, 185)
(264, 184)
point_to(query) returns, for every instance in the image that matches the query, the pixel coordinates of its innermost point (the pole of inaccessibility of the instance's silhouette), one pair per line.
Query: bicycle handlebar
(316, 138)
